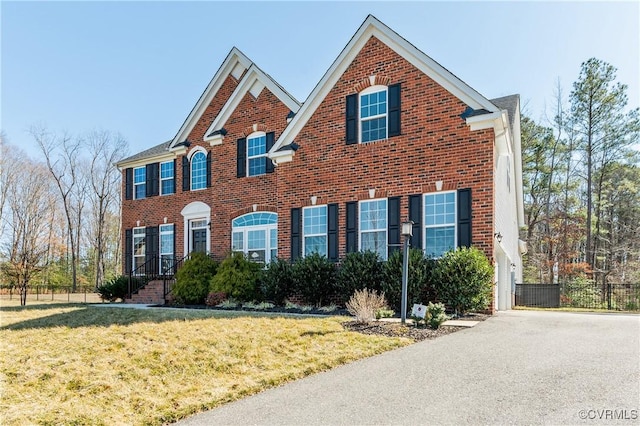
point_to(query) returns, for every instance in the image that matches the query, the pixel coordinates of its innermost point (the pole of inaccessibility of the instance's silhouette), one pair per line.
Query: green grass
(75, 364)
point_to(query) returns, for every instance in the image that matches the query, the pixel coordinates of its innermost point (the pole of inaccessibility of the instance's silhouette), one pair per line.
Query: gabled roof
(372, 27)
(235, 64)
(511, 104)
(152, 152)
(253, 81)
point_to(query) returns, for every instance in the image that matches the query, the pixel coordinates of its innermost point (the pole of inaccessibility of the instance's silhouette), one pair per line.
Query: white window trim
(160, 234)
(455, 218)
(192, 154)
(367, 91)
(133, 246)
(385, 229)
(325, 234)
(255, 135)
(245, 237)
(135, 192)
(165, 179)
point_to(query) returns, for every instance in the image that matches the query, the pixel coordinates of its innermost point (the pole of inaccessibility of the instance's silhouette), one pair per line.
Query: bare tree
(8, 167)
(105, 150)
(30, 203)
(62, 155)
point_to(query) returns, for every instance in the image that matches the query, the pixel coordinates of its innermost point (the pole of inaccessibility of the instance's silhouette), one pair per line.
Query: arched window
(256, 235)
(198, 170)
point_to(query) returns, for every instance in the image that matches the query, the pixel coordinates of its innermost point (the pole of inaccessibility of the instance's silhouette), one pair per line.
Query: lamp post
(407, 232)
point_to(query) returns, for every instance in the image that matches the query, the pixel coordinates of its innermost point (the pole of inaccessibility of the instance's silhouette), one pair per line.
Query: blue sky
(139, 67)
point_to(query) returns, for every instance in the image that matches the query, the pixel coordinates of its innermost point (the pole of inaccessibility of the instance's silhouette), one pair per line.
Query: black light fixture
(407, 232)
(498, 236)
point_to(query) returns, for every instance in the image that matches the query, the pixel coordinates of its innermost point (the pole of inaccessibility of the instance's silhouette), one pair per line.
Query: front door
(199, 240)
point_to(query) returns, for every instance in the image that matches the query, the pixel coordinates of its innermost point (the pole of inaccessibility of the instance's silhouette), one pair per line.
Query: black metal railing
(614, 297)
(156, 268)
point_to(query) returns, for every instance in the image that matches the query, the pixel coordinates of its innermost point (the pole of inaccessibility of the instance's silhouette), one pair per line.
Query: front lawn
(75, 364)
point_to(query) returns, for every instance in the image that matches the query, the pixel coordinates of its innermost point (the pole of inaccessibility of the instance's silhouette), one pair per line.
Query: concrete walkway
(519, 367)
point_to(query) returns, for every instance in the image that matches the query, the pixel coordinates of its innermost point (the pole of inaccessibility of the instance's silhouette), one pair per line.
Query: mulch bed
(382, 328)
(395, 329)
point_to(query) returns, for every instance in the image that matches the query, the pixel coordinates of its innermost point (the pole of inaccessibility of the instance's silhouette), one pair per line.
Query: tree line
(60, 214)
(582, 183)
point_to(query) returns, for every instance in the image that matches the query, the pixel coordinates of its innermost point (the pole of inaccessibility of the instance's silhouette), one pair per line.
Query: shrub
(114, 288)
(419, 285)
(464, 280)
(277, 281)
(314, 278)
(435, 315)
(215, 298)
(238, 277)
(357, 271)
(364, 304)
(192, 279)
(384, 313)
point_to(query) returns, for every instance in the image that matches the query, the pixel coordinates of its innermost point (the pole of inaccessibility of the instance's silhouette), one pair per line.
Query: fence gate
(618, 297)
(538, 295)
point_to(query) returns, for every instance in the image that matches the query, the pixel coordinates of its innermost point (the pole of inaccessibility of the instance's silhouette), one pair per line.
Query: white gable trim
(372, 27)
(235, 63)
(253, 82)
(158, 158)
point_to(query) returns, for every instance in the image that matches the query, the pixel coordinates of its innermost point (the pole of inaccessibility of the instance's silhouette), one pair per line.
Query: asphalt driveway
(519, 367)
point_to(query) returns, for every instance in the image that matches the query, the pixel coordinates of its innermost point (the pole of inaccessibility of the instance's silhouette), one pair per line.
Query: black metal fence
(82, 294)
(616, 297)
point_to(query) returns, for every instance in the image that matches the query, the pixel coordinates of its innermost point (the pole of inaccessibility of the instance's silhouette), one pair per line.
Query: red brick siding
(228, 196)
(435, 144)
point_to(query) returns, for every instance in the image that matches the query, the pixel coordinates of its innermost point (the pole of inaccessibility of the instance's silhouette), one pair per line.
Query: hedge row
(462, 279)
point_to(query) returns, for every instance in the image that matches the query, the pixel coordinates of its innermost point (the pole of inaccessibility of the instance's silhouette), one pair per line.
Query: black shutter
(393, 224)
(352, 119)
(151, 243)
(296, 238)
(242, 158)
(186, 174)
(209, 169)
(394, 110)
(464, 217)
(415, 215)
(352, 227)
(128, 183)
(128, 250)
(173, 181)
(152, 177)
(270, 141)
(332, 232)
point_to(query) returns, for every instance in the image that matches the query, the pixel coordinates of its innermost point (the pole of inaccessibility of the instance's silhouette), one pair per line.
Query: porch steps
(150, 294)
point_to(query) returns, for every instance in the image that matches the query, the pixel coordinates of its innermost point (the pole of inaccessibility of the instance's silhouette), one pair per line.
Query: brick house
(387, 135)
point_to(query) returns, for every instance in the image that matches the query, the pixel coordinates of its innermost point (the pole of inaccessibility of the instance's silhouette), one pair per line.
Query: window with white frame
(166, 246)
(373, 226)
(440, 223)
(167, 178)
(373, 114)
(198, 170)
(139, 250)
(140, 182)
(314, 230)
(256, 235)
(257, 154)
